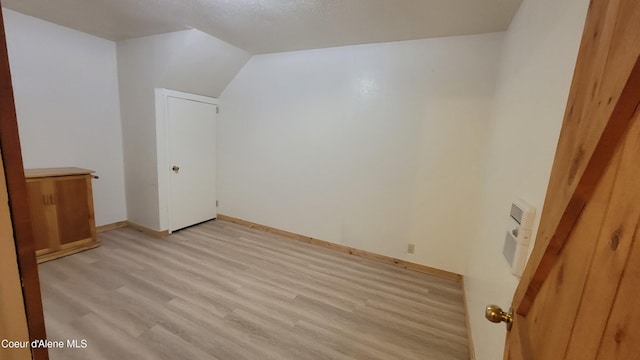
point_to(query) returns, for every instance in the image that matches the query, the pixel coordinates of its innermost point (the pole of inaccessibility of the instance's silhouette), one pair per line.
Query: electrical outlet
(411, 248)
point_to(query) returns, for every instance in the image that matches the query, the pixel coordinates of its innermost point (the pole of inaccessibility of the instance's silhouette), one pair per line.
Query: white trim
(162, 148)
(188, 96)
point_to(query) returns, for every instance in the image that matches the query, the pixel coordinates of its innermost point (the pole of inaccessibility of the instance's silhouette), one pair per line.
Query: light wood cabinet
(61, 206)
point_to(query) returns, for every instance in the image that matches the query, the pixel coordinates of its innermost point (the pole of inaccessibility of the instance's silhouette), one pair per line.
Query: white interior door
(192, 161)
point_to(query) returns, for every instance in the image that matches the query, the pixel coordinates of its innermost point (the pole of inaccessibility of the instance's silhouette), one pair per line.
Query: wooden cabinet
(61, 205)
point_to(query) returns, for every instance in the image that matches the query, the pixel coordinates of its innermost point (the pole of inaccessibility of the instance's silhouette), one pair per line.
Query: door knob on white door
(175, 169)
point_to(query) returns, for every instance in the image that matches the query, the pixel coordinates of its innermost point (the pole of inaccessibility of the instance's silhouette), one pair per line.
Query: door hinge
(217, 109)
(216, 203)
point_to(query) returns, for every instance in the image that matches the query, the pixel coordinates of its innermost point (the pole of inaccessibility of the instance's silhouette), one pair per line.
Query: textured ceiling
(263, 26)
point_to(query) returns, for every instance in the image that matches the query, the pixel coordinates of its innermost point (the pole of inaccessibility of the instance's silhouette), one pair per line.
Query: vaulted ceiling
(264, 26)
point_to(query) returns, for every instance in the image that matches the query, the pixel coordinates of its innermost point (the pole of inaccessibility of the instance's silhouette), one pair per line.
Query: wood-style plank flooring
(223, 291)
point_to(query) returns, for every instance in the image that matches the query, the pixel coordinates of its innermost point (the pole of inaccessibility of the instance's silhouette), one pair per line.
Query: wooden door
(576, 299)
(13, 320)
(192, 155)
(20, 219)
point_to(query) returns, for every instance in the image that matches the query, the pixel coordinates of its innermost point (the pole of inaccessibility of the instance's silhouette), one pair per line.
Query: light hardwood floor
(223, 291)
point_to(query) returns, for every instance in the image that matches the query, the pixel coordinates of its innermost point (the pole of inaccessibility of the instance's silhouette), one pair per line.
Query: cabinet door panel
(72, 198)
(43, 217)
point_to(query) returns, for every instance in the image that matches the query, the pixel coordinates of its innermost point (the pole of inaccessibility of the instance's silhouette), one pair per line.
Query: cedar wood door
(579, 295)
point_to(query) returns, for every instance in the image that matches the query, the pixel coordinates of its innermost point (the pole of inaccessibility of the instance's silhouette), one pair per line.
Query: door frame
(162, 96)
(19, 204)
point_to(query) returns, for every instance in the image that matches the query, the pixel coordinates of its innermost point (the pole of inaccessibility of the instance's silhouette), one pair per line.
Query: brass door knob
(495, 314)
(175, 169)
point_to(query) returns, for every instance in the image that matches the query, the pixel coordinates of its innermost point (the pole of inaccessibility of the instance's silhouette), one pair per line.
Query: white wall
(371, 146)
(535, 76)
(189, 61)
(66, 93)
